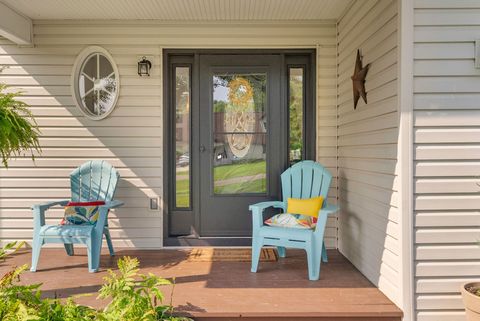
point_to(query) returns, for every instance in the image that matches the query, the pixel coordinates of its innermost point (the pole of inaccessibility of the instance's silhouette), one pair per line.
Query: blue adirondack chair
(92, 181)
(305, 179)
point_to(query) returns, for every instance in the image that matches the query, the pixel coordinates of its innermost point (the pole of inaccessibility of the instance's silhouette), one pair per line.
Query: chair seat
(294, 234)
(67, 230)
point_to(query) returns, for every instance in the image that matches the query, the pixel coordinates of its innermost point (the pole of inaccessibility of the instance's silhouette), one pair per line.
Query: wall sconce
(144, 67)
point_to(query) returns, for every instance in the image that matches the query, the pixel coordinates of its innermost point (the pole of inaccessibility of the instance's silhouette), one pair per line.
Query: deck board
(226, 290)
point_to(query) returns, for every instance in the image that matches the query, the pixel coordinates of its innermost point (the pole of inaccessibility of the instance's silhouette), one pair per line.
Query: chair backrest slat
(85, 181)
(297, 177)
(305, 179)
(94, 181)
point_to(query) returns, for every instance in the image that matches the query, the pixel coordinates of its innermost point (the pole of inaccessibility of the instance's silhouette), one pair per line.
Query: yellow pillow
(307, 206)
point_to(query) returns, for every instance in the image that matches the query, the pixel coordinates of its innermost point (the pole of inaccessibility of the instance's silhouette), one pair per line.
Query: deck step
(295, 318)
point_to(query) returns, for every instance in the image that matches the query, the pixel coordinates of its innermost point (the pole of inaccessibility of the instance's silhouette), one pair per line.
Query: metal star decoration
(358, 81)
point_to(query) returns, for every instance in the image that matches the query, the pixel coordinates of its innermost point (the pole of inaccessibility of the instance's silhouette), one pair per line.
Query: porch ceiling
(166, 10)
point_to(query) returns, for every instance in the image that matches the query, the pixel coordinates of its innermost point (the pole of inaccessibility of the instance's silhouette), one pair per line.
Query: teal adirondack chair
(305, 179)
(92, 181)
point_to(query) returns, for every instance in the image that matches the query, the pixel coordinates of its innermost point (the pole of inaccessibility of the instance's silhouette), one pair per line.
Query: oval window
(95, 82)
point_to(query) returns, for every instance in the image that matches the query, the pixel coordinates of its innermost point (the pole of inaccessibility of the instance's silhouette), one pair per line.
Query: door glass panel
(182, 137)
(295, 110)
(240, 129)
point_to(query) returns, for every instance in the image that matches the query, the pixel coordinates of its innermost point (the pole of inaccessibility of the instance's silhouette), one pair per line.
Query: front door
(234, 120)
(241, 150)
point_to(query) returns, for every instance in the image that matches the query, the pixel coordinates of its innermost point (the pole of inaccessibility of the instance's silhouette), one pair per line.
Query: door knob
(202, 149)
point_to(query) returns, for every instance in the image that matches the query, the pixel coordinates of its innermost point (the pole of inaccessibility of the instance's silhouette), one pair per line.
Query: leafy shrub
(134, 297)
(10, 248)
(18, 129)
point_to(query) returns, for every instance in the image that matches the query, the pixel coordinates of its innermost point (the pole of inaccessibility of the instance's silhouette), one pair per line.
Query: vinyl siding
(131, 137)
(369, 234)
(446, 159)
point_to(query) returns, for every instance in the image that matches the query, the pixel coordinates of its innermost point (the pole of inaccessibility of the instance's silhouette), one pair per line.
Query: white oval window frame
(74, 80)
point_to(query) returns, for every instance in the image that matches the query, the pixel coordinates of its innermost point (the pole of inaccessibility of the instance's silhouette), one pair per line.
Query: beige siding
(446, 129)
(369, 233)
(131, 138)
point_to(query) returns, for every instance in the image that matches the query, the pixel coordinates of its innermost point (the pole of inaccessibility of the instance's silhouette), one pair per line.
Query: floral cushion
(81, 213)
(292, 221)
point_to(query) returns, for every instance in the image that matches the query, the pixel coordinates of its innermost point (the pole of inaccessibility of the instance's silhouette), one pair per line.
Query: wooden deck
(224, 291)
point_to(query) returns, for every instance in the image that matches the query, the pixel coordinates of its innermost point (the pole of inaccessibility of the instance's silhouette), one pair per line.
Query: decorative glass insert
(182, 137)
(240, 129)
(295, 110)
(95, 83)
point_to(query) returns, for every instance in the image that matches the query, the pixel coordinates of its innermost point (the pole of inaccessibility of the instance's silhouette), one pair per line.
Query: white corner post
(14, 26)
(405, 155)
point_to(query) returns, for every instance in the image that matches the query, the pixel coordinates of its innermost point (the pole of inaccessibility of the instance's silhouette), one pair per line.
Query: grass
(238, 170)
(225, 172)
(255, 186)
(183, 193)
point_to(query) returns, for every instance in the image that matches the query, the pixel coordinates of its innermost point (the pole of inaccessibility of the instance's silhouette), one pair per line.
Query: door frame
(290, 58)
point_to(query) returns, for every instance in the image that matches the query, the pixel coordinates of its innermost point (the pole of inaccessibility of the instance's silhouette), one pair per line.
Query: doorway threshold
(189, 241)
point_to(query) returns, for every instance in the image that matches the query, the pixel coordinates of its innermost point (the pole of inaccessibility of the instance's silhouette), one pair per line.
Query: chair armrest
(257, 212)
(47, 205)
(39, 212)
(322, 220)
(112, 204)
(263, 205)
(103, 213)
(328, 209)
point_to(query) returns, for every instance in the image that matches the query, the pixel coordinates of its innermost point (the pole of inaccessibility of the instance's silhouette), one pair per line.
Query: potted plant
(471, 300)
(18, 129)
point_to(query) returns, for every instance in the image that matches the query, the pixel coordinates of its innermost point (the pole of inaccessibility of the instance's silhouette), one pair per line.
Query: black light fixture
(144, 67)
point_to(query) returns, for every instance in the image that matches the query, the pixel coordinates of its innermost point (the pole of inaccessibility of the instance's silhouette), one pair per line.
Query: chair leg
(94, 246)
(313, 260)
(109, 241)
(324, 253)
(69, 249)
(256, 248)
(282, 252)
(36, 248)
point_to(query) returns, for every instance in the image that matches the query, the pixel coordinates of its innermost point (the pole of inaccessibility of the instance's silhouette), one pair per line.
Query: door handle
(202, 149)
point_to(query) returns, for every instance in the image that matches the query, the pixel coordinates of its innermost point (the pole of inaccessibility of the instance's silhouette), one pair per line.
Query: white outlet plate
(154, 204)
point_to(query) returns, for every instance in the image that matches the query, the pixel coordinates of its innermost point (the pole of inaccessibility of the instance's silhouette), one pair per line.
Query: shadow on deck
(224, 291)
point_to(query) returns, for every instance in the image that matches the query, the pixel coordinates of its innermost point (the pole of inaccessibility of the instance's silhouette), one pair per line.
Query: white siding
(447, 144)
(369, 232)
(131, 138)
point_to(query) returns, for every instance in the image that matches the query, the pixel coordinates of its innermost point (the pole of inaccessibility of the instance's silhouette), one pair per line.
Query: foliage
(24, 302)
(18, 129)
(258, 83)
(134, 297)
(10, 248)
(296, 113)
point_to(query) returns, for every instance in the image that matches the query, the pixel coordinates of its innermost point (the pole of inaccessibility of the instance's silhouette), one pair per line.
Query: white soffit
(180, 10)
(14, 26)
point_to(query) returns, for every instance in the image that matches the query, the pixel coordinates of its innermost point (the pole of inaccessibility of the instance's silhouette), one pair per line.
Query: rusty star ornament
(358, 81)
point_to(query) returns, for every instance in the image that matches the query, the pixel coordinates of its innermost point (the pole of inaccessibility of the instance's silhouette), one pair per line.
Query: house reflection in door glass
(240, 131)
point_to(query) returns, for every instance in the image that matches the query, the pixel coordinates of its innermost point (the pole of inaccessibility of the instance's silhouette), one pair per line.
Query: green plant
(24, 302)
(134, 297)
(18, 129)
(10, 248)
